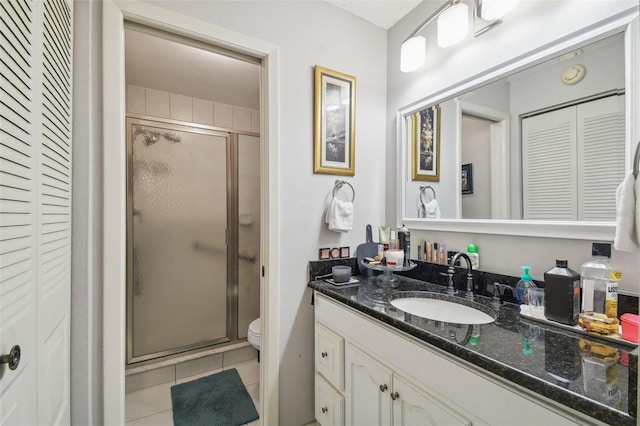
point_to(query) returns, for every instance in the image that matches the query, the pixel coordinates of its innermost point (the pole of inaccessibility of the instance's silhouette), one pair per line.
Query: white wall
(528, 29)
(311, 33)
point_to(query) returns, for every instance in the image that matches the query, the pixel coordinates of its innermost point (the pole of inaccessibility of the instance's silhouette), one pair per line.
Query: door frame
(114, 14)
(499, 142)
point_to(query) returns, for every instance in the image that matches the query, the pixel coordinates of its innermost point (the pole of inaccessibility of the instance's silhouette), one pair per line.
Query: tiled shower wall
(157, 103)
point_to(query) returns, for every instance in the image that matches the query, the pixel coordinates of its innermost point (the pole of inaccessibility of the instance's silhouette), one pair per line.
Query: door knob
(325, 409)
(324, 354)
(383, 388)
(395, 396)
(12, 358)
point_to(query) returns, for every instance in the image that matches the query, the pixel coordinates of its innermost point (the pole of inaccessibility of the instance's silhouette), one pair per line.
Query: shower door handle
(137, 279)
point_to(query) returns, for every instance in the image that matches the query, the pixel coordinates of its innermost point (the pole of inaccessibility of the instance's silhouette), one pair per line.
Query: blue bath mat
(220, 399)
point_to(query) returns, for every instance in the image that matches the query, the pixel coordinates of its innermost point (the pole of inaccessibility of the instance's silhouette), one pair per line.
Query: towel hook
(422, 188)
(636, 161)
(339, 184)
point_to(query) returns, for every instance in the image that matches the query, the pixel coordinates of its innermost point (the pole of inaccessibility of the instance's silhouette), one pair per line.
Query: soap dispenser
(523, 286)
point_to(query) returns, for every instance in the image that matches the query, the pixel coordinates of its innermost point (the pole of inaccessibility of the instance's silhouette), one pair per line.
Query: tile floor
(152, 406)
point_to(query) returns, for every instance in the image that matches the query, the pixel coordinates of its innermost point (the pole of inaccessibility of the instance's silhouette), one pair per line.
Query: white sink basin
(442, 308)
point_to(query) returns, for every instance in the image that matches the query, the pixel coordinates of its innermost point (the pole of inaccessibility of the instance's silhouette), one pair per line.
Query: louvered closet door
(549, 165)
(601, 157)
(35, 209)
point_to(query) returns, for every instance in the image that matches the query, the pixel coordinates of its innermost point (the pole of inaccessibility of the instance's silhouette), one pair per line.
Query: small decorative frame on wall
(324, 253)
(467, 178)
(425, 144)
(334, 122)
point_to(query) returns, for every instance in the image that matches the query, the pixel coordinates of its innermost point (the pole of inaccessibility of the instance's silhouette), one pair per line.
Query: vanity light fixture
(453, 27)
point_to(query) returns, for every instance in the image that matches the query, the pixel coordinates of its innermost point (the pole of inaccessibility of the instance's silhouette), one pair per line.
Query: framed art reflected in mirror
(467, 178)
(425, 144)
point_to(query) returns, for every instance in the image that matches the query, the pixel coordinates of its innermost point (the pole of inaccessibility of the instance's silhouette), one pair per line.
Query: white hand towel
(432, 209)
(340, 215)
(627, 222)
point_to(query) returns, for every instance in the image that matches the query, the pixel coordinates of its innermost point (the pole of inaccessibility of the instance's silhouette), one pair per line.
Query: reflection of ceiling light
(453, 25)
(332, 107)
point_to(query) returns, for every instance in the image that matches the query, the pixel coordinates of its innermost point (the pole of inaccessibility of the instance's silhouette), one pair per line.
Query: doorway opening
(193, 194)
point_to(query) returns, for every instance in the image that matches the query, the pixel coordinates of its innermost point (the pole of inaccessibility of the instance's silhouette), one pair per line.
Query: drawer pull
(383, 388)
(325, 409)
(395, 396)
(324, 354)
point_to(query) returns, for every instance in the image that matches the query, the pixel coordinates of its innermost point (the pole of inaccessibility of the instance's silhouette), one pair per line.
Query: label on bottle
(576, 300)
(611, 300)
(615, 275)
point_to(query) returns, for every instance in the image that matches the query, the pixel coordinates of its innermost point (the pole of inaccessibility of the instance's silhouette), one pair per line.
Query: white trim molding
(115, 13)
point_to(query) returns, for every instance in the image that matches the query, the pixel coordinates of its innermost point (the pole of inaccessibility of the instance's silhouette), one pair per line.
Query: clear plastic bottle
(523, 286)
(599, 277)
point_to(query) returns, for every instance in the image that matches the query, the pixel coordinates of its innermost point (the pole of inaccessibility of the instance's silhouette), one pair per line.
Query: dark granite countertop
(591, 375)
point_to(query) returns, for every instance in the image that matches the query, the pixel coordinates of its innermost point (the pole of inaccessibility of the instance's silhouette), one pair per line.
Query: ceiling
(197, 72)
(382, 13)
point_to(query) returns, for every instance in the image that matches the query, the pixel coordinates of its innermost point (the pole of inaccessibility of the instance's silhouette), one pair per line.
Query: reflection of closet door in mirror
(573, 159)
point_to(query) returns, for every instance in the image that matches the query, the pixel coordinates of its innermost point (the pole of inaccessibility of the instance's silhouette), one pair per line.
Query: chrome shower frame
(232, 234)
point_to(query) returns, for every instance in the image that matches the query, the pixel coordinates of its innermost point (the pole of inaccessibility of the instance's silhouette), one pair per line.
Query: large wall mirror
(535, 151)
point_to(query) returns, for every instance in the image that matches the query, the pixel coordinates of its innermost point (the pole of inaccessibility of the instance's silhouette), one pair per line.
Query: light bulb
(453, 25)
(496, 9)
(412, 54)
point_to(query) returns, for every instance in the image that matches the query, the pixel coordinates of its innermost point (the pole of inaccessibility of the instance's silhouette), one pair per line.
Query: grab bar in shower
(208, 248)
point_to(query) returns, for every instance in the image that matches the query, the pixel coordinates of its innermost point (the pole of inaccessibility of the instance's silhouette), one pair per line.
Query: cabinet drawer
(329, 356)
(329, 404)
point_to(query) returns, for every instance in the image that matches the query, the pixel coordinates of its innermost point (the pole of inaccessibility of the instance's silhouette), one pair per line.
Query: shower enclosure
(193, 237)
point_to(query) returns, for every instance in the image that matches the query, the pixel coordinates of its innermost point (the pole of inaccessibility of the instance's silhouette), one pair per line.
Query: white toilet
(253, 334)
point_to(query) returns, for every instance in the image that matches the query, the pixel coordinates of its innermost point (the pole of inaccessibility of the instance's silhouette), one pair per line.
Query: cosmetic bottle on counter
(404, 240)
(562, 294)
(442, 256)
(599, 281)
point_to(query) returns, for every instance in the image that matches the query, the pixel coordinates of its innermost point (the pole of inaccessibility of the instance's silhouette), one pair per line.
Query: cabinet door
(413, 406)
(330, 356)
(367, 389)
(329, 404)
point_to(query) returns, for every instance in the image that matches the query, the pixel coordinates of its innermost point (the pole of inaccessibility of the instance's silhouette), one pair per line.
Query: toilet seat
(254, 332)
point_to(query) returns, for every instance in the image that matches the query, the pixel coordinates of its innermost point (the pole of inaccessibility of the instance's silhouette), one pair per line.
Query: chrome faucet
(451, 290)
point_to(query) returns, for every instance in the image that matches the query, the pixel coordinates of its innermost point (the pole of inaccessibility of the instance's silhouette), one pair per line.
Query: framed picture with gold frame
(425, 144)
(334, 122)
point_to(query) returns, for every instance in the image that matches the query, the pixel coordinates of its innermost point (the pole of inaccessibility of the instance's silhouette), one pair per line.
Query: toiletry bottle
(595, 274)
(393, 241)
(523, 286)
(404, 239)
(442, 257)
(433, 253)
(562, 294)
(472, 252)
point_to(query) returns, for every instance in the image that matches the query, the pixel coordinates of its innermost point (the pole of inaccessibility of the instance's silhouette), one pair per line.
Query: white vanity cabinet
(391, 378)
(376, 395)
(329, 377)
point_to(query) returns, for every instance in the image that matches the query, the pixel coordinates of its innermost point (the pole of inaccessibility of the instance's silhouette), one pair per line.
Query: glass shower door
(177, 253)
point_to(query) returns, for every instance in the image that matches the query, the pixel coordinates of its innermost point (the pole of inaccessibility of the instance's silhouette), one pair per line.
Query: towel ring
(636, 161)
(422, 188)
(339, 184)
